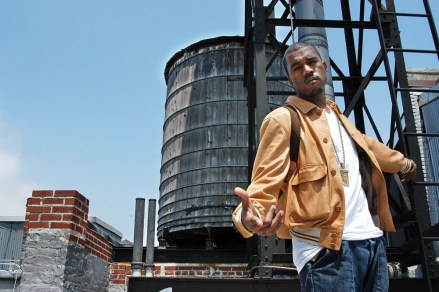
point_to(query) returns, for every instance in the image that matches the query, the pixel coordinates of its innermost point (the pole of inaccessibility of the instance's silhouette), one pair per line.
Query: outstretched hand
(406, 177)
(411, 173)
(251, 220)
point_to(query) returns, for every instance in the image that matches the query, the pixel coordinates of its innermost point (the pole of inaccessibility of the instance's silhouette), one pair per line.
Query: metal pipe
(150, 239)
(136, 264)
(313, 9)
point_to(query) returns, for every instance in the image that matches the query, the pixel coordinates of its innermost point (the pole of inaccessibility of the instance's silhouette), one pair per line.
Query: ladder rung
(403, 14)
(376, 78)
(413, 51)
(425, 183)
(432, 238)
(421, 134)
(417, 89)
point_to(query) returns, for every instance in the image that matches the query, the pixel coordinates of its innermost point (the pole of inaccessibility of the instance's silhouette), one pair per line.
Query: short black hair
(296, 47)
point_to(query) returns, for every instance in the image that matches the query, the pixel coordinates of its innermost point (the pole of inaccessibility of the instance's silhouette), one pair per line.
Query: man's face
(307, 72)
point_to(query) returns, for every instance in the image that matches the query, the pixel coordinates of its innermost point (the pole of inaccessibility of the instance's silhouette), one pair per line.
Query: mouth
(311, 79)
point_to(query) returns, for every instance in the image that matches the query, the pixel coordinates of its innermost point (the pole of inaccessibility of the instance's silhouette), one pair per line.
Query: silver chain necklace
(344, 172)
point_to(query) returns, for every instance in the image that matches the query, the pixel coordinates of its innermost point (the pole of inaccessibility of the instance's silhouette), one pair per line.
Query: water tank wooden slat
(205, 139)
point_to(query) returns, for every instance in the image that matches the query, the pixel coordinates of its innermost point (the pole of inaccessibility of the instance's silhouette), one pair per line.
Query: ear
(290, 80)
(326, 66)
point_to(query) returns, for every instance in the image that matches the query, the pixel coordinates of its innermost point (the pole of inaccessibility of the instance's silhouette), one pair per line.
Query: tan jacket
(314, 199)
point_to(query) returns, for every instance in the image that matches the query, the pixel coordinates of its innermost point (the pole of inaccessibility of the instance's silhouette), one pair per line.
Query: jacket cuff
(409, 166)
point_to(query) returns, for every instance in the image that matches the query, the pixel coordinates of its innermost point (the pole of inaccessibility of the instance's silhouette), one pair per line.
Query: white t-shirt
(358, 221)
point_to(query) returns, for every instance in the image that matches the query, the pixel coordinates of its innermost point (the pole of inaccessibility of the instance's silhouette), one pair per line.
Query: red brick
(75, 220)
(84, 220)
(50, 217)
(225, 268)
(63, 209)
(66, 193)
(118, 272)
(85, 208)
(199, 268)
(32, 217)
(71, 201)
(53, 201)
(67, 217)
(38, 209)
(81, 241)
(61, 225)
(79, 229)
(172, 268)
(184, 268)
(37, 224)
(42, 194)
(78, 213)
(73, 238)
(118, 281)
(33, 201)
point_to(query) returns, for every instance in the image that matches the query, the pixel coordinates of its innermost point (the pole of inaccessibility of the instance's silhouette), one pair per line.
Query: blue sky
(82, 93)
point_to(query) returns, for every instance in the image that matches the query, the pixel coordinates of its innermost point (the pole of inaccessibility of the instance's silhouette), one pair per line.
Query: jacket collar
(305, 106)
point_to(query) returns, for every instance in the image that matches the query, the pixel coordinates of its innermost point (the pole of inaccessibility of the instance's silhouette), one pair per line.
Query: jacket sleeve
(270, 169)
(389, 160)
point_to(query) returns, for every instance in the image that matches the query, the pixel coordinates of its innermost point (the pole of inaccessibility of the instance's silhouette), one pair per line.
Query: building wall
(60, 252)
(431, 145)
(11, 237)
(120, 272)
(428, 146)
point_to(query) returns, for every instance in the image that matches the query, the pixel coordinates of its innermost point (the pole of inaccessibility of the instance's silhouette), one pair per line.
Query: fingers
(271, 225)
(251, 219)
(406, 177)
(249, 212)
(249, 216)
(243, 195)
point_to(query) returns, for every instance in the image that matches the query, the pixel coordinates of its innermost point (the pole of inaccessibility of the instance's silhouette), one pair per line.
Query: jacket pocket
(310, 204)
(309, 173)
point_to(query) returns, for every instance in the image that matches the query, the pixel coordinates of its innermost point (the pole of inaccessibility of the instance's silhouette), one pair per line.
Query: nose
(307, 69)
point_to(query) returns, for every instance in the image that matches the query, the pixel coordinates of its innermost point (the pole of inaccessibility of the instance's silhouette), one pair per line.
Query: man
(335, 203)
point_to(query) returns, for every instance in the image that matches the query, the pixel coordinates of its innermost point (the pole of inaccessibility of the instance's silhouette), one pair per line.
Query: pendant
(345, 177)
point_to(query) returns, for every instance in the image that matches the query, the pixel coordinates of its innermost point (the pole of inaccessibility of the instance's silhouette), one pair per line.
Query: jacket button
(333, 172)
(325, 140)
(337, 209)
(334, 235)
(332, 245)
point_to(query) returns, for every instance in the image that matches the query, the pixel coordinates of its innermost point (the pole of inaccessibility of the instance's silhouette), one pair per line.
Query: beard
(313, 93)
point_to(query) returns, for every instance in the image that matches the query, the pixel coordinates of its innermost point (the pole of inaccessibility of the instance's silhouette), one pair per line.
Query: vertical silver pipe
(150, 239)
(136, 264)
(313, 9)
